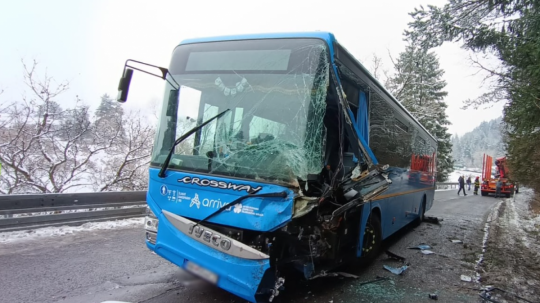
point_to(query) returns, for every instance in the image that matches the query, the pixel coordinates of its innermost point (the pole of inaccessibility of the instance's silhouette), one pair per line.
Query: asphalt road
(96, 266)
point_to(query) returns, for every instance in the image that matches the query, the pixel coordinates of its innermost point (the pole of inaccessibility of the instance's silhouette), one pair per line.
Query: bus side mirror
(123, 86)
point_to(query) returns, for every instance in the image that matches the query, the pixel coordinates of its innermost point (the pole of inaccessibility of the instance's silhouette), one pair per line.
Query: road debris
(466, 278)
(396, 271)
(379, 279)
(421, 247)
(486, 294)
(433, 297)
(392, 255)
(334, 274)
(456, 241)
(433, 220)
(427, 252)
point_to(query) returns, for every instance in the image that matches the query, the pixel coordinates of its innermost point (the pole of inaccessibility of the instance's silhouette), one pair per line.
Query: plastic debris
(392, 255)
(396, 271)
(466, 278)
(457, 241)
(427, 252)
(421, 247)
(433, 297)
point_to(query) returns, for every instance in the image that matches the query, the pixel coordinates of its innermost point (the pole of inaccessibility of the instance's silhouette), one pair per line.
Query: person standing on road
(469, 182)
(476, 185)
(461, 181)
(499, 187)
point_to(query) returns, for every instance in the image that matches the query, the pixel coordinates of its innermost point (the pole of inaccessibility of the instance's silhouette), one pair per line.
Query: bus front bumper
(240, 269)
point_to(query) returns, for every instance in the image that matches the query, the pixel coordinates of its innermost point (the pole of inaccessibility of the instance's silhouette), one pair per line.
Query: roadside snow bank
(48, 232)
(524, 218)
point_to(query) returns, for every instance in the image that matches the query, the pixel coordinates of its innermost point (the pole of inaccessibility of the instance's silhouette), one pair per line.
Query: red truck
(489, 184)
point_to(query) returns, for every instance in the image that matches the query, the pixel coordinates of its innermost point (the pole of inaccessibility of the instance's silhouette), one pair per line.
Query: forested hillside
(468, 149)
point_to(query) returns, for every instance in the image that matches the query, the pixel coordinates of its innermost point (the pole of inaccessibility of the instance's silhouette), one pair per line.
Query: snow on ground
(51, 232)
(70, 211)
(454, 176)
(524, 217)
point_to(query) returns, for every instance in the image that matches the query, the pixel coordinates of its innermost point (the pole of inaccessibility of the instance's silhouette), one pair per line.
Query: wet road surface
(96, 266)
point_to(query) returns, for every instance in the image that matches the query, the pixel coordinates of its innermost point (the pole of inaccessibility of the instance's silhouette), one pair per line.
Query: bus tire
(421, 213)
(372, 243)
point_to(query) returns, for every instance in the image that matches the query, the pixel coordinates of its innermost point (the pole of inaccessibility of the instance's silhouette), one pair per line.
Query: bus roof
(330, 39)
(326, 36)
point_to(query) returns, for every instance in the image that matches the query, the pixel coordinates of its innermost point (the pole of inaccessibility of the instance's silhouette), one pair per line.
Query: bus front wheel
(421, 213)
(372, 238)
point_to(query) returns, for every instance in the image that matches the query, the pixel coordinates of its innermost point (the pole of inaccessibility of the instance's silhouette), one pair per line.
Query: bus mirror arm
(125, 81)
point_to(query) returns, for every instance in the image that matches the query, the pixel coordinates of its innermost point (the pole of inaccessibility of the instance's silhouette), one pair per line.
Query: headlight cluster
(151, 222)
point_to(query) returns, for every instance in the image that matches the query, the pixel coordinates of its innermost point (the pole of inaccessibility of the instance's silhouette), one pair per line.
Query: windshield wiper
(161, 173)
(282, 194)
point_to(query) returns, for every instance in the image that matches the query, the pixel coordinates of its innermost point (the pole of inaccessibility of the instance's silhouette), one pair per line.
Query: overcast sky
(87, 42)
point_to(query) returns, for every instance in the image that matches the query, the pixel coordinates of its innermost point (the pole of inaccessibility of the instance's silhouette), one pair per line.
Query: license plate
(201, 272)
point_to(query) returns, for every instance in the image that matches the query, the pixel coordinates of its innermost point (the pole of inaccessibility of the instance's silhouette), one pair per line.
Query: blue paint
(238, 276)
(197, 202)
(326, 36)
(363, 121)
(405, 208)
(362, 141)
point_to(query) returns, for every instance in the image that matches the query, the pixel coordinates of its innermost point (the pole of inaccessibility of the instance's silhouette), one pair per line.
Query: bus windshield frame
(275, 90)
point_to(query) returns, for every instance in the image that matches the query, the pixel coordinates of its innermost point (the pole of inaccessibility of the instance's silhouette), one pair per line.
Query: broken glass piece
(466, 278)
(427, 252)
(394, 270)
(457, 241)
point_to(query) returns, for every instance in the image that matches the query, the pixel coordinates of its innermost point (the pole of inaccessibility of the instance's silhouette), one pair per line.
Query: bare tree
(124, 166)
(47, 149)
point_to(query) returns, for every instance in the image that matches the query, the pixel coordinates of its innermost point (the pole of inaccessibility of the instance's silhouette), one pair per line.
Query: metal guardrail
(447, 185)
(19, 212)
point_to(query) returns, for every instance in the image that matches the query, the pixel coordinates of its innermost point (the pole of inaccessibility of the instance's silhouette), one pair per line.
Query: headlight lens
(150, 221)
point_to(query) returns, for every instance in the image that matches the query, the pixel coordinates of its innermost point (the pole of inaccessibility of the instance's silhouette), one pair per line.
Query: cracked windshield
(275, 92)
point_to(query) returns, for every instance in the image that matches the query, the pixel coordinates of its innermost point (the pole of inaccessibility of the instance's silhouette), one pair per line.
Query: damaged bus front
(260, 164)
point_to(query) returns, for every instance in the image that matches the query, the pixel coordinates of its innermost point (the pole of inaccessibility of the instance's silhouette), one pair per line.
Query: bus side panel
(396, 212)
(430, 198)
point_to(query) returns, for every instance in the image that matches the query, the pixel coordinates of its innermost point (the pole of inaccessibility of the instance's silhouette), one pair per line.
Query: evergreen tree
(509, 30)
(483, 139)
(109, 108)
(108, 119)
(419, 86)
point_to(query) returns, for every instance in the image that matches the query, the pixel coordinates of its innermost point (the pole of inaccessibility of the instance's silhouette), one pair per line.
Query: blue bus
(275, 155)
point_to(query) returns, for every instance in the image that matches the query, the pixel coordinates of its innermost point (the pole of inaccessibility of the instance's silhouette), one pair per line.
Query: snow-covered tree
(483, 139)
(40, 149)
(108, 120)
(507, 30)
(417, 83)
(47, 149)
(124, 166)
